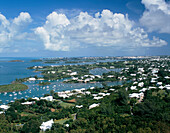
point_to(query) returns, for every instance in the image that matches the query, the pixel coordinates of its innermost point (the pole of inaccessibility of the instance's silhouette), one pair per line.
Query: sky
(72, 28)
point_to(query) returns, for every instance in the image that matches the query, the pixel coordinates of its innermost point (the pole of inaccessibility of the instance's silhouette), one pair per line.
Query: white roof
(111, 89)
(92, 88)
(167, 86)
(97, 98)
(88, 92)
(48, 98)
(133, 87)
(27, 103)
(32, 79)
(94, 105)
(1, 112)
(46, 125)
(144, 89)
(79, 106)
(141, 84)
(137, 95)
(35, 98)
(5, 107)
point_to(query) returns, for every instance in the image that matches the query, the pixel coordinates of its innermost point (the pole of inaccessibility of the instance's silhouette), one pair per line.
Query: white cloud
(10, 30)
(103, 29)
(156, 17)
(22, 18)
(52, 33)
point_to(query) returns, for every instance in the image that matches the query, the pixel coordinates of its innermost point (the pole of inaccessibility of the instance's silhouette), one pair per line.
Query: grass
(65, 105)
(161, 93)
(13, 87)
(124, 115)
(62, 121)
(27, 114)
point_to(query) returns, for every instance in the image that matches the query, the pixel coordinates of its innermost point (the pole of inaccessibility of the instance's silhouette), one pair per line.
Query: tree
(31, 126)
(123, 97)
(52, 93)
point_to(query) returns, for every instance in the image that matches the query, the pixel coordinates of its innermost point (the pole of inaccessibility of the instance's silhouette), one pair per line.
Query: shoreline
(13, 87)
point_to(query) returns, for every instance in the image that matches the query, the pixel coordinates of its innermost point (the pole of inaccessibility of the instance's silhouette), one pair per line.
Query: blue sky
(55, 28)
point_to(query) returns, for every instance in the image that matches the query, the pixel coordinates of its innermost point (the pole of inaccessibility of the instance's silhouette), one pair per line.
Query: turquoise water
(38, 91)
(9, 71)
(100, 71)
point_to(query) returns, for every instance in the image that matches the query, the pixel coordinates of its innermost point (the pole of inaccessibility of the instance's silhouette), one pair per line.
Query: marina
(35, 90)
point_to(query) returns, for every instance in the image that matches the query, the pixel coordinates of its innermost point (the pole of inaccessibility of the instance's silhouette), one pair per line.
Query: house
(133, 87)
(91, 88)
(62, 94)
(48, 98)
(161, 87)
(94, 105)
(167, 77)
(153, 80)
(159, 83)
(32, 79)
(1, 112)
(73, 73)
(79, 106)
(27, 103)
(88, 92)
(95, 95)
(97, 98)
(112, 89)
(141, 84)
(67, 125)
(137, 95)
(132, 74)
(155, 70)
(46, 125)
(103, 94)
(36, 98)
(143, 90)
(4, 107)
(167, 86)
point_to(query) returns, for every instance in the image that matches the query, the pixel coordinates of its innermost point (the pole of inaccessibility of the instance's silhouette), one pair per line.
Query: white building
(94, 105)
(32, 79)
(48, 98)
(4, 107)
(27, 103)
(141, 84)
(46, 125)
(79, 106)
(97, 98)
(133, 87)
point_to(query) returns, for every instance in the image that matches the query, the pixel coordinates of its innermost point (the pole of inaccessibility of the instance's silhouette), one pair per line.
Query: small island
(13, 87)
(44, 83)
(16, 61)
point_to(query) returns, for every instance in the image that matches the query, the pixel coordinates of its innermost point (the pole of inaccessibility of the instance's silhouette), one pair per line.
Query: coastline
(13, 88)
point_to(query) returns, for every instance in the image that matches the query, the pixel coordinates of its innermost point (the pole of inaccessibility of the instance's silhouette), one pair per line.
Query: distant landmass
(16, 61)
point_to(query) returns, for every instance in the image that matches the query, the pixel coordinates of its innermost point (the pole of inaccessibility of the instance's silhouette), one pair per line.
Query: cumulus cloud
(156, 17)
(52, 33)
(10, 30)
(22, 18)
(106, 29)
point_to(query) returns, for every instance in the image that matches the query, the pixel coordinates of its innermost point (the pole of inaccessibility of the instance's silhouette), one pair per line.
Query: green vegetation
(65, 105)
(44, 83)
(38, 60)
(62, 121)
(118, 110)
(13, 87)
(66, 71)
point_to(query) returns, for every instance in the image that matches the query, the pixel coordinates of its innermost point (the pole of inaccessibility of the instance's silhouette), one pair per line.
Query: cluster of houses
(138, 85)
(85, 78)
(142, 74)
